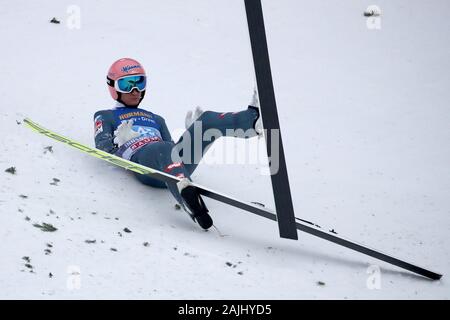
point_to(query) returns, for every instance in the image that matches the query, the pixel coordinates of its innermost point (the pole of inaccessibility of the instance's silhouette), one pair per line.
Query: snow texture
(364, 113)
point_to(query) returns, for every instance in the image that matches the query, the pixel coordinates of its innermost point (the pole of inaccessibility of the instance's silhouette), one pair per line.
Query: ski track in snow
(364, 116)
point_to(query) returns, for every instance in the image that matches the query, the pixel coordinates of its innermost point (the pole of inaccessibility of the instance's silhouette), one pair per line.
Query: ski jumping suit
(153, 147)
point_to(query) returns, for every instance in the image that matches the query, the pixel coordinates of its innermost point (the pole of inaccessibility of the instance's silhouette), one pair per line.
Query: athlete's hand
(124, 133)
(192, 116)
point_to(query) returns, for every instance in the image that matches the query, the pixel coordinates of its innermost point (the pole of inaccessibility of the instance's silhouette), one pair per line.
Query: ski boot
(194, 203)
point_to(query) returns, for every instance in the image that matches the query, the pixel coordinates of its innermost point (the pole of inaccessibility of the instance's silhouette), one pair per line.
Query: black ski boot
(196, 206)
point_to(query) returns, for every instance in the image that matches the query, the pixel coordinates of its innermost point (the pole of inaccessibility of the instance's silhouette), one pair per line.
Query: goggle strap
(110, 81)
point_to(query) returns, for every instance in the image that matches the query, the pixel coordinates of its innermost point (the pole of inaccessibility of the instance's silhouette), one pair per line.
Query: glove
(124, 133)
(191, 117)
(255, 101)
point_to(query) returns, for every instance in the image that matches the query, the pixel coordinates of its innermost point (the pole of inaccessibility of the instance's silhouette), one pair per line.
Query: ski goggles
(128, 83)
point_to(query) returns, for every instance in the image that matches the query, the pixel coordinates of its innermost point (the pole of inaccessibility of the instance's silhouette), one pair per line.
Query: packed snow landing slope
(364, 115)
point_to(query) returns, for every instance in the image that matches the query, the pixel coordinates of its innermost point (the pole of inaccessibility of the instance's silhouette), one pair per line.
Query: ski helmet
(121, 68)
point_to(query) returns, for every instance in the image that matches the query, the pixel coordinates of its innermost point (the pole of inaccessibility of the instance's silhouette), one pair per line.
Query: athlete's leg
(237, 122)
(158, 156)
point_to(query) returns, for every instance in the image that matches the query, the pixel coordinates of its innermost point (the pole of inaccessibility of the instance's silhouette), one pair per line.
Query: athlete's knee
(207, 117)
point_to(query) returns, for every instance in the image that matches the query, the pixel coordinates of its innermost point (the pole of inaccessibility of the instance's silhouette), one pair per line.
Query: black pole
(268, 107)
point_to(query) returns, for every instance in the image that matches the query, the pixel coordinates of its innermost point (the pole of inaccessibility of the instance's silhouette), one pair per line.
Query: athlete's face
(132, 98)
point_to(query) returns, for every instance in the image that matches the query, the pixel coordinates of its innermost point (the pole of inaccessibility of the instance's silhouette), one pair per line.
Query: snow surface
(365, 122)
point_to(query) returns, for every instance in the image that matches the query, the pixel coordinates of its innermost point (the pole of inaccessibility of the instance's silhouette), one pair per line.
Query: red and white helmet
(121, 68)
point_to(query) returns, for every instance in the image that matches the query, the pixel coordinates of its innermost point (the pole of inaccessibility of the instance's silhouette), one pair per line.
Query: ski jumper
(154, 145)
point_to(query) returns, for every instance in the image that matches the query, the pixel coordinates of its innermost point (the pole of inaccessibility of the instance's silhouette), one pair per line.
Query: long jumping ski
(269, 115)
(255, 208)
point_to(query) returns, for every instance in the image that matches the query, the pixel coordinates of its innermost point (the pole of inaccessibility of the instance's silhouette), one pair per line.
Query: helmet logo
(128, 68)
